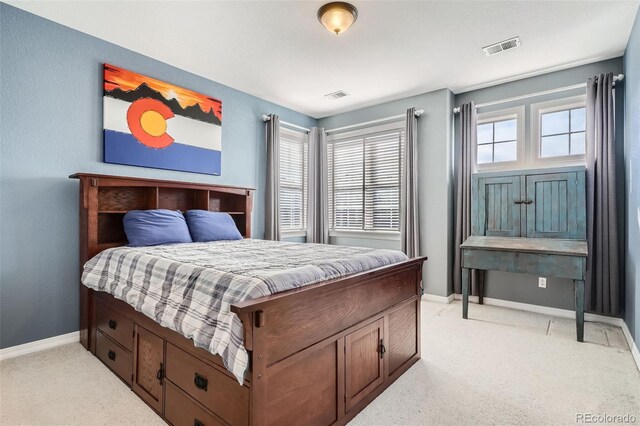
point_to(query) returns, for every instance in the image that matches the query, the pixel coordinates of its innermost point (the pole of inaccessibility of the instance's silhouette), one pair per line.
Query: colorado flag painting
(151, 123)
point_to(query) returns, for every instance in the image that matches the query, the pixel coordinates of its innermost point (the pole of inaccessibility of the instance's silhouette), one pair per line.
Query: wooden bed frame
(318, 354)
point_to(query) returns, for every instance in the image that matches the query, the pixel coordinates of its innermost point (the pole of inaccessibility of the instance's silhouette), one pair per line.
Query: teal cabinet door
(556, 205)
(498, 208)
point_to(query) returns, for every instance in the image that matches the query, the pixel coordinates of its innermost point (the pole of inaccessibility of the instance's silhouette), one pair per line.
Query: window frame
(537, 110)
(303, 138)
(362, 132)
(500, 115)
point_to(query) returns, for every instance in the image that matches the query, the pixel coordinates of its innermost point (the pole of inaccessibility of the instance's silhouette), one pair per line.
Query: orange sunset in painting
(125, 80)
(151, 123)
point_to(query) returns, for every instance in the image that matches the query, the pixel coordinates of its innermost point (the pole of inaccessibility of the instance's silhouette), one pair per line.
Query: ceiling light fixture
(337, 16)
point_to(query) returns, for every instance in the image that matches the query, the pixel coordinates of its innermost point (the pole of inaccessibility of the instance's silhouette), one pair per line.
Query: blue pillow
(154, 227)
(211, 226)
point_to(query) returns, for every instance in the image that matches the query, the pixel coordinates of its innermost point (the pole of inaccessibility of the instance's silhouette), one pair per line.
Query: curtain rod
(418, 113)
(265, 117)
(618, 77)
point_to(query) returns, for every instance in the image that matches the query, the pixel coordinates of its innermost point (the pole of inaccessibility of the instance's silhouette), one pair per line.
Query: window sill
(288, 234)
(368, 235)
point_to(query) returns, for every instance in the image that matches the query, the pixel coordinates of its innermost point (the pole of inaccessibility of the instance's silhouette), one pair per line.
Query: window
(556, 136)
(558, 132)
(497, 141)
(293, 181)
(364, 169)
(500, 139)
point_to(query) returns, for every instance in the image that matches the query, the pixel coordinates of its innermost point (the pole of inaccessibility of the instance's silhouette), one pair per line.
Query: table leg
(465, 293)
(480, 278)
(579, 284)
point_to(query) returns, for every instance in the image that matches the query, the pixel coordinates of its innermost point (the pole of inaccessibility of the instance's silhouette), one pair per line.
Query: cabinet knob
(160, 374)
(197, 422)
(113, 324)
(201, 382)
(111, 355)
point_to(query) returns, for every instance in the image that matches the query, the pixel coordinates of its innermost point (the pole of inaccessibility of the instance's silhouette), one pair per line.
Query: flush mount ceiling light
(337, 16)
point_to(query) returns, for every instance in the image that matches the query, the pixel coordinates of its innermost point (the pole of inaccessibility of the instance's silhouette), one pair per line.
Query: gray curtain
(604, 292)
(409, 219)
(272, 192)
(317, 205)
(463, 169)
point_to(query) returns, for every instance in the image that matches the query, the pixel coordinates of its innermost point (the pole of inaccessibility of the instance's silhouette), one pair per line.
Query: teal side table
(535, 256)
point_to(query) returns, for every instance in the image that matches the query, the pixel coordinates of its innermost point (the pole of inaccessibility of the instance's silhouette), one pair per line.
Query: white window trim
(504, 114)
(301, 137)
(369, 235)
(537, 110)
(294, 233)
(342, 136)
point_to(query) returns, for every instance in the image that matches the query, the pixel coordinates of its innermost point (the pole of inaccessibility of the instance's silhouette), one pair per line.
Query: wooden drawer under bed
(207, 385)
(118, 327)
(114, 356)
(182, 410)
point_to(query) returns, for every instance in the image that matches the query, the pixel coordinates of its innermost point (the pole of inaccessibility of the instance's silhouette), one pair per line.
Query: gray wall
(435, 179)
(632, 166)
(50, 127)
(524, 288)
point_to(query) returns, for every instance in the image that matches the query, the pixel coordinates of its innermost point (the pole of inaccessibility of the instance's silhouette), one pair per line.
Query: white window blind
(364, 181)
(293, 180)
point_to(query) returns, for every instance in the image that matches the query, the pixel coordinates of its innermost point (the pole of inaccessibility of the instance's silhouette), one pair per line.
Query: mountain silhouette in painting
(144, 91)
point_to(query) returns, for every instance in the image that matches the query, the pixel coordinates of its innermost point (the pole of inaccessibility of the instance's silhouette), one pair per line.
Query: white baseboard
(39, 345)
(439, 299)
(631, 343)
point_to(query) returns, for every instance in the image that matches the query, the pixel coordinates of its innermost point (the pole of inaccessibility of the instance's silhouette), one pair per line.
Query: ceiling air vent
(336, 95)
(502, 46)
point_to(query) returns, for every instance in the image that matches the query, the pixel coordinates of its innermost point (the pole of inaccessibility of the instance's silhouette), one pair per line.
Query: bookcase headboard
(105, 199)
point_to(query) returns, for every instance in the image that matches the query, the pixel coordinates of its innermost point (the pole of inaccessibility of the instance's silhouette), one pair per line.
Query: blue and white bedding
(189, 288)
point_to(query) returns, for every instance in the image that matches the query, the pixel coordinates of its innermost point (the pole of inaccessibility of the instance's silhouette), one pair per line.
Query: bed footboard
(320, 354)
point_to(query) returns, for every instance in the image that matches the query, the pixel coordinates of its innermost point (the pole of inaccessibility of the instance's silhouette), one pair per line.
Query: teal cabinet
(556, 206)
(530, 203)
(499, 215)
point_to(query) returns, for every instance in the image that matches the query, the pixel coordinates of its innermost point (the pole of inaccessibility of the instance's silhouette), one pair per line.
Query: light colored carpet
(499, 367)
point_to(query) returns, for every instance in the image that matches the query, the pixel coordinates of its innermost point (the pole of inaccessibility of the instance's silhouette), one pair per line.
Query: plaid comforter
(189, 287)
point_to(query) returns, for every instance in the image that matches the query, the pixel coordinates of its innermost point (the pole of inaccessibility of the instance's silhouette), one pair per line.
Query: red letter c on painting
(147, 120)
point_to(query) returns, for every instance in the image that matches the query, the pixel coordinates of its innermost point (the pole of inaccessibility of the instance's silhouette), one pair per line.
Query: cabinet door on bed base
(402, 337)
(148, 367)
(364, 362)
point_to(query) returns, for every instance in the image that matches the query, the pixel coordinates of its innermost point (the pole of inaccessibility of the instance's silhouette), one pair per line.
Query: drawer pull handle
(528, 201)
(200, 382)
(111, 355)
(197, 422)
(518, 202)
(160, 374)
(113, 324)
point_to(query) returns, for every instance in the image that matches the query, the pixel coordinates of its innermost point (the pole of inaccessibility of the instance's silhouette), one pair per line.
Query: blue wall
(632, 168)
(524, 288)
(50, 127)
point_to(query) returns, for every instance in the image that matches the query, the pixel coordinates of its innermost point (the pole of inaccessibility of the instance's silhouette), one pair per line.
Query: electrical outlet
(542, 282)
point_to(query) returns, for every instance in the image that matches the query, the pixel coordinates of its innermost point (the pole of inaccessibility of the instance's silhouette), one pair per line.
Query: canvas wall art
(150, 123)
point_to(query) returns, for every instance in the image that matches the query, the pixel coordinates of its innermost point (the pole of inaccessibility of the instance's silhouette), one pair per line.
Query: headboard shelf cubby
(106, 199)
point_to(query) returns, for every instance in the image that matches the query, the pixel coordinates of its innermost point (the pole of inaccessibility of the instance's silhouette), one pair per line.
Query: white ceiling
(280, 52)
